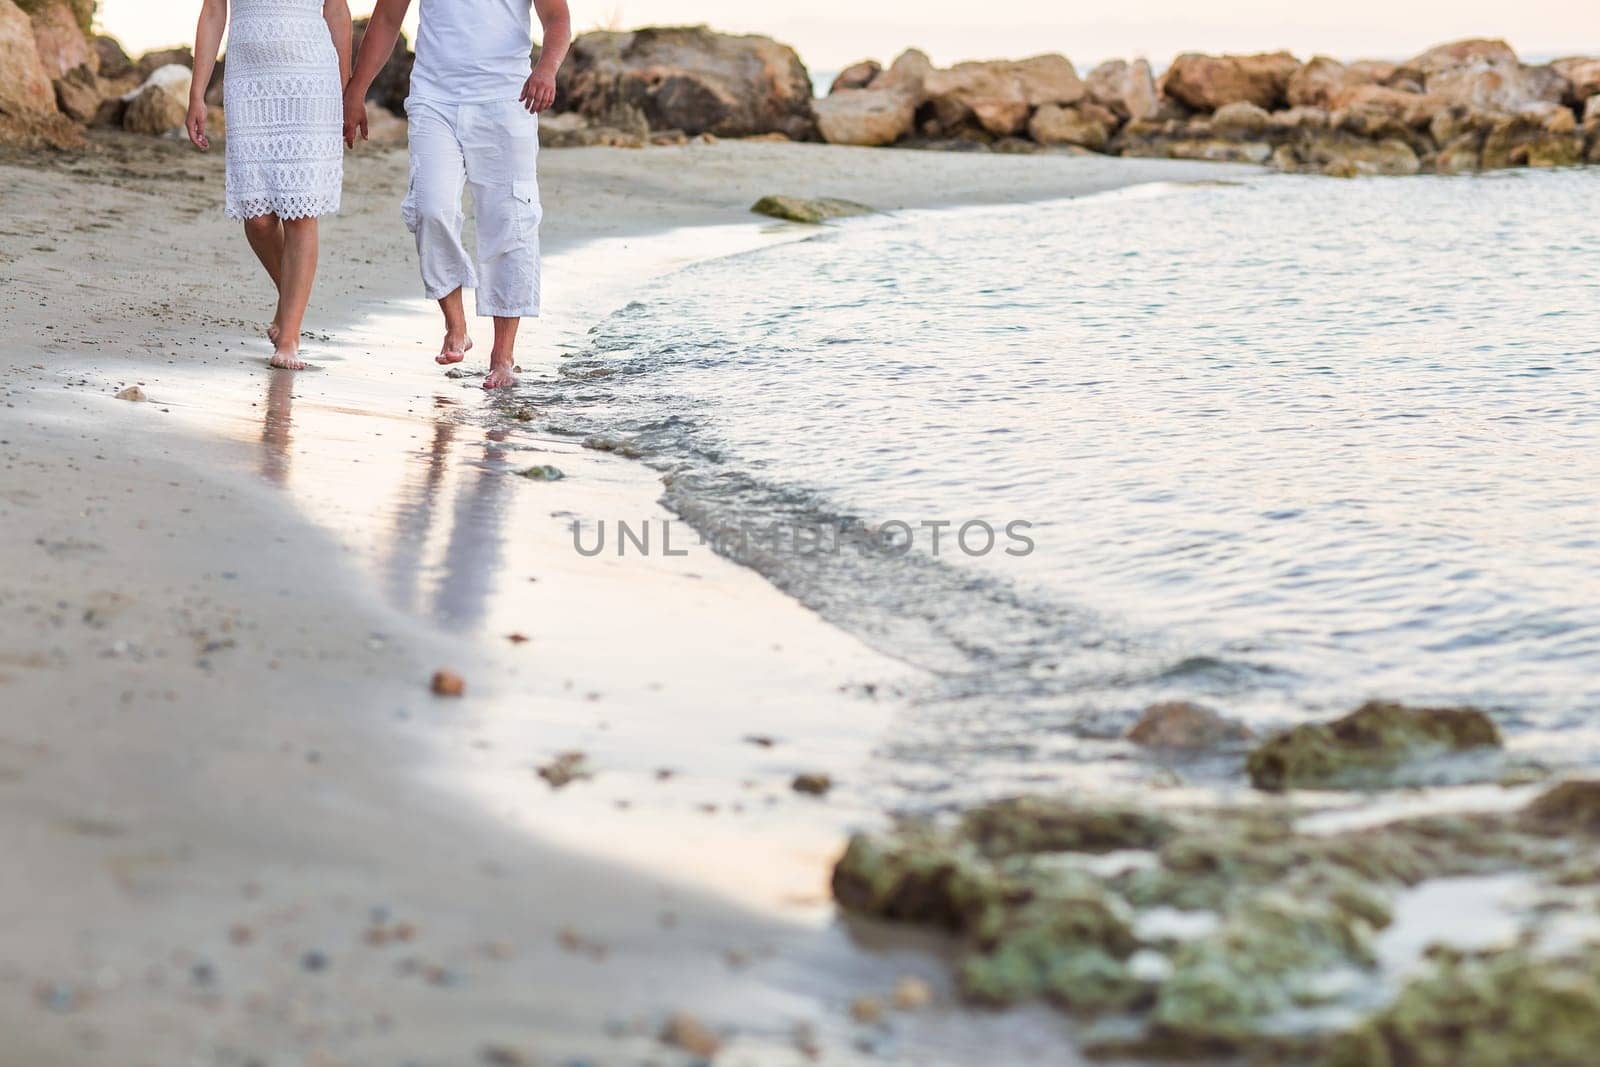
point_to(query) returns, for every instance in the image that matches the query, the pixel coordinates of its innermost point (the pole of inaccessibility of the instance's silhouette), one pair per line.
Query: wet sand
(240, 829)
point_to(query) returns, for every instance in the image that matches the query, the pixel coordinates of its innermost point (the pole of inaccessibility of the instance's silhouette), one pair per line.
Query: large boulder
(689, 78)
(25, 90)
(865, 116)
(1087, 125)
(150, 62)
(997, 97)
(1319, 81)
(1460, 53)
(1127, 90)
(60, 40)
(1534, 139)
(114, 62)
(1491, 85)
(393, 83)
(1207, 83)
(856, 76)
(907, 74)
(78, 94)
(1583, 79)
(161, 104)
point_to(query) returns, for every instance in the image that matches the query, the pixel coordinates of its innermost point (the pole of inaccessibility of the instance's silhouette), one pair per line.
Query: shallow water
(1282, 445)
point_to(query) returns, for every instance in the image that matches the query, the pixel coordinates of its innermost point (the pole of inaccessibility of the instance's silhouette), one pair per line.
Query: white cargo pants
(494, 149)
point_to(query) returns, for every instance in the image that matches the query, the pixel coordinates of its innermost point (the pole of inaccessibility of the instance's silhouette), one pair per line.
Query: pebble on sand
(565, 769)
(866, 1010)
(132, 392)
(812, 784)
(912, 994)
(690, 1034)
(447, 683)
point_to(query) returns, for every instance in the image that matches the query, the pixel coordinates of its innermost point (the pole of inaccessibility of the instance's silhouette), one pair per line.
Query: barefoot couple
(288, 87)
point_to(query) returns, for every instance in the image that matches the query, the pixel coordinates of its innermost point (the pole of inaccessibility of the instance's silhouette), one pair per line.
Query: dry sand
(238, 829)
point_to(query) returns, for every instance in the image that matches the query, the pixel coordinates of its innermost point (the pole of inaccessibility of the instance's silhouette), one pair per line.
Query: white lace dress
(285, 112)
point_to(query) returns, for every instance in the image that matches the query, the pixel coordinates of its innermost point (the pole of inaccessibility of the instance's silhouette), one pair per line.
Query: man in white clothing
(473, 112)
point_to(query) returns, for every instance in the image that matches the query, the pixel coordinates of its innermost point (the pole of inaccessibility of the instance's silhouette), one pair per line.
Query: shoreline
(224, 719)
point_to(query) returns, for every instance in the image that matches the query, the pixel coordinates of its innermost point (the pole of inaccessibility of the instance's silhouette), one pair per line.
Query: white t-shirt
(472, 51)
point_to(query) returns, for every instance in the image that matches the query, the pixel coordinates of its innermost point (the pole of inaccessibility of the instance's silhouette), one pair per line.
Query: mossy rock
(542, 473)
(1569, 808)
(921, 877)
(1505, 1009)
(814, 210)
(1040, 824)
(1365, 749)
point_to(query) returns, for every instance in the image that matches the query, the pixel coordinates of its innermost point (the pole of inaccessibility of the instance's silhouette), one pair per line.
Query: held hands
(355, 117)
(195, 125)
(539, 92)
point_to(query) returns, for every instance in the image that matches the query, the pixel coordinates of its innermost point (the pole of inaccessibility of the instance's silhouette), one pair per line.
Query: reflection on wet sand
(452, 588)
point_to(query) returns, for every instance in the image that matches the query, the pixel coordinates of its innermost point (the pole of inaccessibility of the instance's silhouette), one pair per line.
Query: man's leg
(433, 213)
(500, 143)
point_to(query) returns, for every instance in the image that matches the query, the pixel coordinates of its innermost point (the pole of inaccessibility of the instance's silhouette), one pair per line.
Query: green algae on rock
(1224, 930)
(1368, 748)
(812, 211)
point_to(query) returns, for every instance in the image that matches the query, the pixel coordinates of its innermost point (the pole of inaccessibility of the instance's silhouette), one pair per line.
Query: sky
(832, 33)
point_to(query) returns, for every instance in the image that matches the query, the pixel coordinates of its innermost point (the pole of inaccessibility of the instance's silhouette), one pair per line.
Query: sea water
(1278, 446)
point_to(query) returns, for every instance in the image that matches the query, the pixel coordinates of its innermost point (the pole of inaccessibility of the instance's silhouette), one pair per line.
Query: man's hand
(538, 92)
(355, 118)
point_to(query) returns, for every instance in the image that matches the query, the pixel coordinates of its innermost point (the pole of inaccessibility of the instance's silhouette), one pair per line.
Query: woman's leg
(265, 234)
(299, 269)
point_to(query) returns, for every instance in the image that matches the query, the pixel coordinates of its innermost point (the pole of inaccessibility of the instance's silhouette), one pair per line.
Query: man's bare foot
(456, 347)
(499, 378)
(286, 359)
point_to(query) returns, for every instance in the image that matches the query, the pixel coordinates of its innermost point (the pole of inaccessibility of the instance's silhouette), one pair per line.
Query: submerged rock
(800, 209)
(1037, 824)
(542, 473)
(1178, 724)
(1366, 748)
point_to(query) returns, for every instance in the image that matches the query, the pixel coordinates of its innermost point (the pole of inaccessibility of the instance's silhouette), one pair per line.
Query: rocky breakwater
(1465, 106)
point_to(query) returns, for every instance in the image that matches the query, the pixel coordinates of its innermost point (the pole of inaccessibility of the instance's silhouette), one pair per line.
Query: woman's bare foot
(287, 359)
(499, 378)
(273, 332)
(456, 347)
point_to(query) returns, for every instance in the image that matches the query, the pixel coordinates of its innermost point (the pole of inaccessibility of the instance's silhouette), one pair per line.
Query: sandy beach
(241, 830)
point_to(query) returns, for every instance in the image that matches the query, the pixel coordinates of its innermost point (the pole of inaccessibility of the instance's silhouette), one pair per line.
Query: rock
(869, 117)
(1242, 119)
(623, 128)
(384, 127)
(60, 40)
(1179, 724)
(1027, 825)
(1519, 1005)
(1298, 118)
(911, 994)
(1490, 86)
(393, 83)
(150, 62)
(856, 76)
(1088, 125)
(447, 683)
(1366, 748)
(691, 79)
(686, 1032)
(1462, 155)
(1531, 139)
(1583, 79)
(1375, 111)
(131, 392)
(110, 113)
(1571, 808)
(542, 472)
(1128, 90)
(815, 785)
(1207, 83)
(78, 94)
(161, 104)
(1318, 82)
(907, 74)
(997, 97)
(1341, 154)
(113, 61)
(867, 1010)
(799, 209)
(566, 768)
(25, 90)
(1460, 53)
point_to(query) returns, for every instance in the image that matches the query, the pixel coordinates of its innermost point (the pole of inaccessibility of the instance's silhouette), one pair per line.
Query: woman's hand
(355, 116)
(195, 125)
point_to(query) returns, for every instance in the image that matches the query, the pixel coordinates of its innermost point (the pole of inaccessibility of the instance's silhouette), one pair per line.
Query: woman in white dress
(283, 88)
